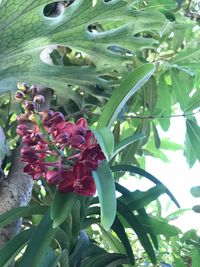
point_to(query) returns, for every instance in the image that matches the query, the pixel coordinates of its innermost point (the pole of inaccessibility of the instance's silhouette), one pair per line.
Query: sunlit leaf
(106, 192)
(130, 85)
(193, 131)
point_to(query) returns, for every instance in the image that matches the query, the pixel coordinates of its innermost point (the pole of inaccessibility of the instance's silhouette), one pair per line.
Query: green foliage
(128, 66)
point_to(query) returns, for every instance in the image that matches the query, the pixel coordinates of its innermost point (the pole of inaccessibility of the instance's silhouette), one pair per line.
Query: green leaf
(130, 85)
(156, 136)
(12, 215)
(187, 58)
(104, 259)
(196, 208)
(61, 206)
(163, 107)
(14, 246)
(179, 90)
(189, 151)
(49, 259)
(175, 215)
(155, 226)
(26, 32)
(106, 192)
(195, 257)
(39, 243)
(105, 138)
(136, 170)
(127, 141)
(114, 243)
(138, 199)
(193, 131)
(195, 191)
(132, 220)
(179, 262)
(118, 228)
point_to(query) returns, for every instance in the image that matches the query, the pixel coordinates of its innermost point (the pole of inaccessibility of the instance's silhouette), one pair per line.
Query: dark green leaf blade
(138, 199)
(106, 192)
(132, 220)
(39, 243)
(62, 206)
(118, 228)
(12, 215)
(11, 249)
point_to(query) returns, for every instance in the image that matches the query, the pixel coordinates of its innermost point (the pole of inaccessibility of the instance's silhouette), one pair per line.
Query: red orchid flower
(78, 180)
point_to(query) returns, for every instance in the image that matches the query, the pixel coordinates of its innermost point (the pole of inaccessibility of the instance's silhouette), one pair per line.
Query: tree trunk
(15, 190)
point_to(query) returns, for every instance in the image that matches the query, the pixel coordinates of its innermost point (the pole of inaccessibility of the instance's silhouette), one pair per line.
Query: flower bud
(34, 90)
(39, 99)
(22, 86)
(23, 117)
(30, 106)
(22, 129)
(62, 138)
(19, 96)
(46, 115)
(57, 118)
(36, 137)
(28, 154)
(26, 150)
(27, 140)
(53, 177)
(77, 140)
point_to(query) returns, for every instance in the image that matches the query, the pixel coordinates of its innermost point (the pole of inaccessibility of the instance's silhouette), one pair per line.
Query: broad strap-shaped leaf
(13, 247)
(155, 226)
(130, 85)
(50, 259)
(81, 246)
(119, 229)
(139, 171)
(113, 242)
(61, 206)
(132, 220)
(12, 215)
(106, 192)
(193, 131)
(125, 142)
(39, 243)
(138, 199)
(104, 259)
(105, 138)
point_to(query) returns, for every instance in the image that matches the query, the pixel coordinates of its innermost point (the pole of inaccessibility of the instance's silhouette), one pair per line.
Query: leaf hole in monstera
(55, 9)
(119, 50)
(104, 26)
(65, 56)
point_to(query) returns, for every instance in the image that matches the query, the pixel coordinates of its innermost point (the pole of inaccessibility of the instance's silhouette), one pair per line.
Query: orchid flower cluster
(62, 152)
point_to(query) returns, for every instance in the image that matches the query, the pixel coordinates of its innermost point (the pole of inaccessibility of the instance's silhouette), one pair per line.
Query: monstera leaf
(29, 34)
